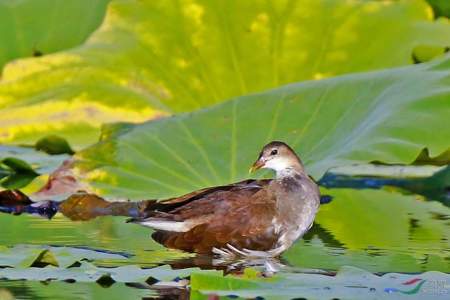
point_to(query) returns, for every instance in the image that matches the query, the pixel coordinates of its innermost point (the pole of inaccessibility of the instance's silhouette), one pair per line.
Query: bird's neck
(290, 172)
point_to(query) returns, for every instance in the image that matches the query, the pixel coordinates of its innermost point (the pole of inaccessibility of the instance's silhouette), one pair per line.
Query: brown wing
(239, 214)
(156, 208)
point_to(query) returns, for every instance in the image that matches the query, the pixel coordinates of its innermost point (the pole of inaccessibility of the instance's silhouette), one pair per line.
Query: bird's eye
(274, 152)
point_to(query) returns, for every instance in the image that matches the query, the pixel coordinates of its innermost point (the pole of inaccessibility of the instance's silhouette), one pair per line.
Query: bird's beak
(257, 165)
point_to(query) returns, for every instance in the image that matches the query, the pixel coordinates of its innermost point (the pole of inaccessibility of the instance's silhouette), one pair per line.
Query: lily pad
(387, 116)
(87, 272)
(39, 27)
(20, 165)
(22, 289)
(31, 159)
(24, 256)
(348, 283)
(152, 58)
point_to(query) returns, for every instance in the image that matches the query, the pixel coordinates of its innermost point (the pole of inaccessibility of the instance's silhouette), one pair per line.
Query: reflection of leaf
(103, 233)
(378, 231)
(385, 221)
(37, 27)
(388, 116)
(151, 58)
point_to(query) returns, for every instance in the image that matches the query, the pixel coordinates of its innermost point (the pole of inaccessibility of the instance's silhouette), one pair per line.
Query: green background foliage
(153, 58)
(40, 27)
(342, 120)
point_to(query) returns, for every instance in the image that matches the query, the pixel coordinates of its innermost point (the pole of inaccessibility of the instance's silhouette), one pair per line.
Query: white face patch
(281, 165)
(277, 164)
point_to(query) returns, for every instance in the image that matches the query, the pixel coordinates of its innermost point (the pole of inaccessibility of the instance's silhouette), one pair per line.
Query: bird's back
(240, 214)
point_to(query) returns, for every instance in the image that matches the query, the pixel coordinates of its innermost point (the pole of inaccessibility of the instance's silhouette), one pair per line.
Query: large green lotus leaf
(386, 116)
(38, 27)
(158, 57)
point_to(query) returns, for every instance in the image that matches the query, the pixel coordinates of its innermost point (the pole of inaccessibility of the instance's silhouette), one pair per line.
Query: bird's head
(279, 157)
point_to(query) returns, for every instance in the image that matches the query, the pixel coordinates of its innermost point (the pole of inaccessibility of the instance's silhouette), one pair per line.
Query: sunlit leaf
(387, 116)
(153, 58)
(39, 27)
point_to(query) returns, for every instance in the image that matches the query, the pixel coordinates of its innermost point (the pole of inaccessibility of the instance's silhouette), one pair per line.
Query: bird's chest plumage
(297, 204)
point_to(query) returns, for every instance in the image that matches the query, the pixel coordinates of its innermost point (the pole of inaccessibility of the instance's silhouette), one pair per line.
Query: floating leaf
(20, 165)
(88, 272)
(31, 159)
(432, 182)
(24, 256)
(24, 289)
(153, 58)
(53, 144)
(16, 164)
(348, 283)
(16, 173)
(387, 116)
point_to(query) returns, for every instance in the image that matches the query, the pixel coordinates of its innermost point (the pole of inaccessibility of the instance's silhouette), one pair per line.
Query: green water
(377, 231)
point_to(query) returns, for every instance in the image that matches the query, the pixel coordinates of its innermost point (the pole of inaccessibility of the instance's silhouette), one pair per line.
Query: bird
(251, 218)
